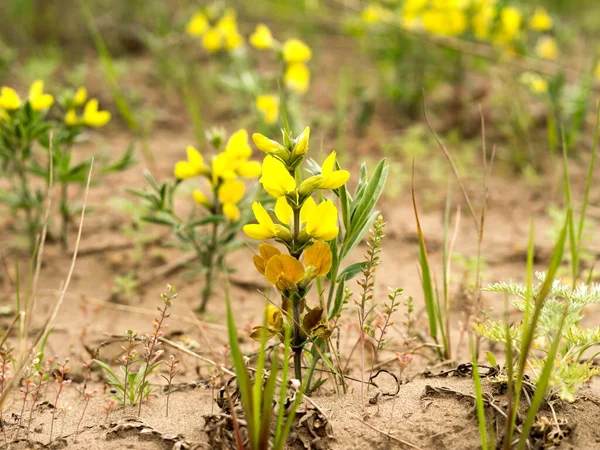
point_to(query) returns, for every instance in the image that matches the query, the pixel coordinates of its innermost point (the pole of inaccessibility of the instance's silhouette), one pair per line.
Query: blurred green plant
(211, 236)
(36, 140)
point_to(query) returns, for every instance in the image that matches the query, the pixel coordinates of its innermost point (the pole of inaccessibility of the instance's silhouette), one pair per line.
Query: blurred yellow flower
(547, 48)
(322, 220)
(201, 199)
(297, 78)
(262, 37)
(541, 20)
(275, 178)
(233, 40)
(376, 13)
(80, 97)
(3, 115)
(9, 99)
(446, 21)
(71, 118)
(230, 193)
(223, 168)
(296, 51)
(237, 145)
(534, 82)
(482, 21)
(37, 99)
(318, 259)
(284, 272)
(265, 229)
(511, 19)
(198, 25)
(193, 167)
(211, 40)
(94, 118)
(268, 106)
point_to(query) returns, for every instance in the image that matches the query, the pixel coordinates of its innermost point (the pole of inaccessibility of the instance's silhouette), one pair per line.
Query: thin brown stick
(452, 165)
(24, 362)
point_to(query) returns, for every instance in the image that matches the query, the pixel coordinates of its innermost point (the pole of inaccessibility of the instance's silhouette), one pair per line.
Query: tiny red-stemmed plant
(88, 397)
(60, 378)
(172, 370)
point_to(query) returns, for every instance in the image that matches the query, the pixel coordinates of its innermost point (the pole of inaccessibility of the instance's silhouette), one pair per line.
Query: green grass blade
(426, 281)
(241, 371)
(478, 397)
(542, 384)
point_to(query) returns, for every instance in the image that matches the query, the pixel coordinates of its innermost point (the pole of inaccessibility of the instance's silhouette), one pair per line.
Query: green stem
(25, 192)
(64, 213)
(209, 265)
(297, 341)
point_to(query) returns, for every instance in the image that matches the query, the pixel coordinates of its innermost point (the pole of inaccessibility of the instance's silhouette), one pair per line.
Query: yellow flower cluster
(486, 20)
(303, 225)
(295, 55)
(218, 31)
(38, 100)
(91, 116)
(223, 173)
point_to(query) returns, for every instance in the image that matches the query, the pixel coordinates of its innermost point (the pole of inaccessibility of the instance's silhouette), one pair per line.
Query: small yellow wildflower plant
(221, 199)
(32, 130)
(217, 30)
(306, 222)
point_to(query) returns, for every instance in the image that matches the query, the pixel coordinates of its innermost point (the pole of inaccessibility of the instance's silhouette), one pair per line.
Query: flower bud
(310, 185)
(270, 147)
(301, 146)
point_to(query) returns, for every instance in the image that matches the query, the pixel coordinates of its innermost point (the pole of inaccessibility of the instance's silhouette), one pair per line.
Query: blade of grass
(542, 383)
(478, 396)
(426, 281)
(528, 332)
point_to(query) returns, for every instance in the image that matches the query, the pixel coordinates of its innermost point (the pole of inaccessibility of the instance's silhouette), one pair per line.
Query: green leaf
(352, 270)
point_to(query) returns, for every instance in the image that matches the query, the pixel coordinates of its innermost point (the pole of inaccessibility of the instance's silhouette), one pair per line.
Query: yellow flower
(80, 96)
(71, 118)
(262, 37)
(296, 51)
(198, 25)
(447, 22)
(37, 99)
(318, 259)
(284, 272)
(193, 167)
(376, 13)
(547, 48)
(265, 229)
(482, 21)
(9, 99)
(322, 221)
(333, 178)
(211, 40)
(264, 144)
(534, 82)
(275, 178)
(274, 317)
(301, 146)
(285, 213)
(233, 40)
(230, 193)
(237, 145)
(223, 167)
(268, 106)
(201, 199)
(297, 78)
(94, 118)
(267, 251)
(231, 211)
(510, 19)
(249, 169)
(541, 20)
